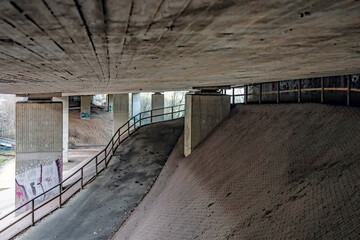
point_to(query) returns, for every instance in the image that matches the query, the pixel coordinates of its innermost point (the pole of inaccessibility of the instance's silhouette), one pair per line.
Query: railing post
(96, 165)
(246, 94)
(60, 195)
(82, 178)
(278, 93)
(322, 90)
(299, 91)
(348, 90)
(128, 123)
(140, 120)
(172, 112)
(151, 114)
(32, 212)
(105, 157)
(260, 92)
(112, 147)
(233, 95)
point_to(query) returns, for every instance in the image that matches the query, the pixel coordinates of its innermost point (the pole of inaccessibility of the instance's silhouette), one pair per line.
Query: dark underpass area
(98, 210)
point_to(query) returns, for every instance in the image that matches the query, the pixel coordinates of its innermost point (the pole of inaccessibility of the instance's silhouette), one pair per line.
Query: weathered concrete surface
(38, 150)
(65, 134)
(202, 113)
(120, 110)
(97, 211)
(85, 112)
(125, 46)
(157, 101)
(267, 172)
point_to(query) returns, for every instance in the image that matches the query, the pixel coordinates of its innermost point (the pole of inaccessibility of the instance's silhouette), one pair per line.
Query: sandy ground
(288, 171)
(98, 210)
(96, 131)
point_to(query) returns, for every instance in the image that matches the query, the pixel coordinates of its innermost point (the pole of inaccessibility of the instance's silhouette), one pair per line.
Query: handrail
(114, 142)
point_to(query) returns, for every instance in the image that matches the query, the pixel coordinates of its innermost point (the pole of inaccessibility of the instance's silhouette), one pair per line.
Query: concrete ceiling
(88, 46)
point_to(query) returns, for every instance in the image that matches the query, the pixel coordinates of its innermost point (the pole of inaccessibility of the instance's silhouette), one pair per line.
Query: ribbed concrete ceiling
(88, 46)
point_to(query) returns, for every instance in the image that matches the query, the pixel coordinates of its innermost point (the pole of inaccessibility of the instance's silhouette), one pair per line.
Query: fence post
(246, 94)
(82, 178)
(140, 120)
(60, 195)
(96, 165)
(233, 95)
(348, 90)
(32, 212)
(128, 123)
(299, 91)
(278, 93)
(322, 90)
(260, 92)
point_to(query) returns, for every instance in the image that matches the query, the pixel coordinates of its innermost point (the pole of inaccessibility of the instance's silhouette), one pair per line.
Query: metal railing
(299, 89)
(100, 162)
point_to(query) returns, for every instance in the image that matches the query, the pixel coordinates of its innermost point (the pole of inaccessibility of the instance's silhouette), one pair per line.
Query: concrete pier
(110, 99)
(39, 148)
(65, 101)
(120, 110)
(157, 101)
(85, 111)
(135, 104)
(203, 111)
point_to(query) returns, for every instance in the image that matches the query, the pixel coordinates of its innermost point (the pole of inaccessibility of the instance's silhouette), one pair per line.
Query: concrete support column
(203, 112)
(120, 110)
(39, 147)
(135, 104)
(85, 107)
(65, 101)
(157, 101)
(110, 102)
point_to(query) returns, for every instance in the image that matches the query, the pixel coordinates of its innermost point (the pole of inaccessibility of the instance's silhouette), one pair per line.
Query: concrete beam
(39, 148)
(85, 111)
(157, 101)
(203, 112)
(120, 110)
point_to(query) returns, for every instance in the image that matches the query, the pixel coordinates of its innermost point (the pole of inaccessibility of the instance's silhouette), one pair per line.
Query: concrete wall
(85, 112)
(157, 101)
(39, 146)
(120, 110)
(202, 114)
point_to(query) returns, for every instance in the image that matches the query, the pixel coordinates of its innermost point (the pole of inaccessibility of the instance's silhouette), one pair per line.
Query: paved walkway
(288, 171)
(98, 210)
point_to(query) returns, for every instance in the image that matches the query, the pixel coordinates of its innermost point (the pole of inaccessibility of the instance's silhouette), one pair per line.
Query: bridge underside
(83, 46)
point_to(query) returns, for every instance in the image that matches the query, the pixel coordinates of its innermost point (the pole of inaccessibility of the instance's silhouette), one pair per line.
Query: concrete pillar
(135, 104)
(38, 150)
(65, 101)
(203, 112)
(120, 110)
(157, 101)
(110, 102)
(85, 107)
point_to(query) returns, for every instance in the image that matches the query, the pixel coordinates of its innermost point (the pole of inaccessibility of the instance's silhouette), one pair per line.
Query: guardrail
(300, 87)
(99, 163)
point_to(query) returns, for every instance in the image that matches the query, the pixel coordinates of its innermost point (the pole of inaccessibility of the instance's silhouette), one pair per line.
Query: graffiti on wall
(85, 115)
(36, 181)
